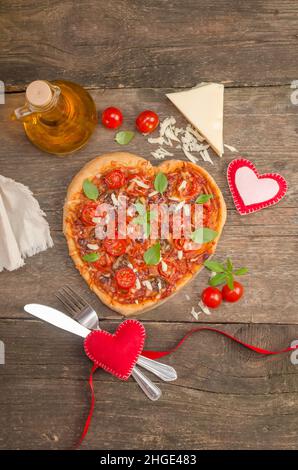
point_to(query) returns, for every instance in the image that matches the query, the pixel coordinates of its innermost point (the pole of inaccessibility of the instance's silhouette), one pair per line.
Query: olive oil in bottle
(58, 117)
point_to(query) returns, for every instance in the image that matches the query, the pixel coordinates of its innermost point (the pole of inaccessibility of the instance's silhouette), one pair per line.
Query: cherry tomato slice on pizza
(88, 212)
(115, 247)
(125, 278)
(115, 179)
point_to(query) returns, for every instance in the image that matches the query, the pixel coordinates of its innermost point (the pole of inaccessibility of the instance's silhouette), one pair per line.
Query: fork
(86, 315)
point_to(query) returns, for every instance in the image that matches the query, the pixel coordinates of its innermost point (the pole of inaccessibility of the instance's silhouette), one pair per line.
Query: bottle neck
(45, 102)
(55, 112)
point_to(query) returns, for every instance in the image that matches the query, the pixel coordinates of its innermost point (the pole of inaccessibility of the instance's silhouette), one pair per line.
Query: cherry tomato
(147, 122)
(125, 278)
(112, 118)
(88, 212)
(212, 297)
(232, 295)
(114, 247)
(115, 179)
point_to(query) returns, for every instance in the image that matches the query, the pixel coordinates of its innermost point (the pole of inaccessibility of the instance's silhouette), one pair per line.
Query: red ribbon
(159, 354)
(92, 404)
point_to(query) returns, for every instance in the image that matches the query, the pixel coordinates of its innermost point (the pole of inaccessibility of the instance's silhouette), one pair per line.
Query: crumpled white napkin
(23, 229)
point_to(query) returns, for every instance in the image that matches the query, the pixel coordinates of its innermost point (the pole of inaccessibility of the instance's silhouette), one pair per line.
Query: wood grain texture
(132, 43)
(261, 122)
(225, 396)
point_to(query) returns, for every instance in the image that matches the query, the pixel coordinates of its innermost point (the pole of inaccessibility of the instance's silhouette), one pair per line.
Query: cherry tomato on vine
(125, 278)
(212, 297)
(147, 122)
(232, 295)
(112, 118)
(115, 179)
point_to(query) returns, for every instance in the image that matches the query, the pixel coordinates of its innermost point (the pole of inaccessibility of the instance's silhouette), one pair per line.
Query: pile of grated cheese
(188, 139)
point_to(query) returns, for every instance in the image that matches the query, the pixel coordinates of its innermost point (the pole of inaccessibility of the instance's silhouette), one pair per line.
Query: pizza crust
(107, 162)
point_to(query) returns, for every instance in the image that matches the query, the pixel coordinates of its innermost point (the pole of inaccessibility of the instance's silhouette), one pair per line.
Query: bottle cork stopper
(39, 93)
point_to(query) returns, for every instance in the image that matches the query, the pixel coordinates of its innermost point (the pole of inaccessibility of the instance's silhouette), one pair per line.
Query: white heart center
(253, 190)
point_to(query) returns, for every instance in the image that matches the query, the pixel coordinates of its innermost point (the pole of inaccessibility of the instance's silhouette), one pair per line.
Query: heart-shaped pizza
(139, 233)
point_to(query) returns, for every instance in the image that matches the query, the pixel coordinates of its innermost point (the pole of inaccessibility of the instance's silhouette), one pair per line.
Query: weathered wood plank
(267, 298)
(263, 127)
(135, 44)
(225, 396)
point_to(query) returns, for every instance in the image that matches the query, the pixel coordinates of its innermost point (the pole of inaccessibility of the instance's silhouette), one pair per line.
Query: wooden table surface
(129, 53)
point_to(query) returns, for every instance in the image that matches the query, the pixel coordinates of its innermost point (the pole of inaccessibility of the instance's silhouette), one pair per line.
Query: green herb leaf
(217, 279)
(229, 265)
(124, 137)
(90, 190)
(141, 208)
(203, 235)
(241, 271)
(152, 255)
(203, 198)
(91, 257)
(225, 274)
(230, 280)
(160, 182)
(214, 266)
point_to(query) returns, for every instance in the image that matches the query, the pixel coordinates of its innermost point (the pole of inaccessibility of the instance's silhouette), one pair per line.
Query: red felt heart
(250, 190)
(116, 353)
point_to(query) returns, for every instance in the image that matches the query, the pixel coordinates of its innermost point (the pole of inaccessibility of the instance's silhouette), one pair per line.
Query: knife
(59, 319)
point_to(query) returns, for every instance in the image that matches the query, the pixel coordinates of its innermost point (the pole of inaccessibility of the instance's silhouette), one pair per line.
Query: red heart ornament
(116, 353)
(250, 190)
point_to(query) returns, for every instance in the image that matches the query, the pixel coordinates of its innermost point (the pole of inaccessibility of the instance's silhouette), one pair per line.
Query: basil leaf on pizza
(91, 257)
(152, 255)
(204, 235)
(90, 190)
(160, 182)
(203, 198)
